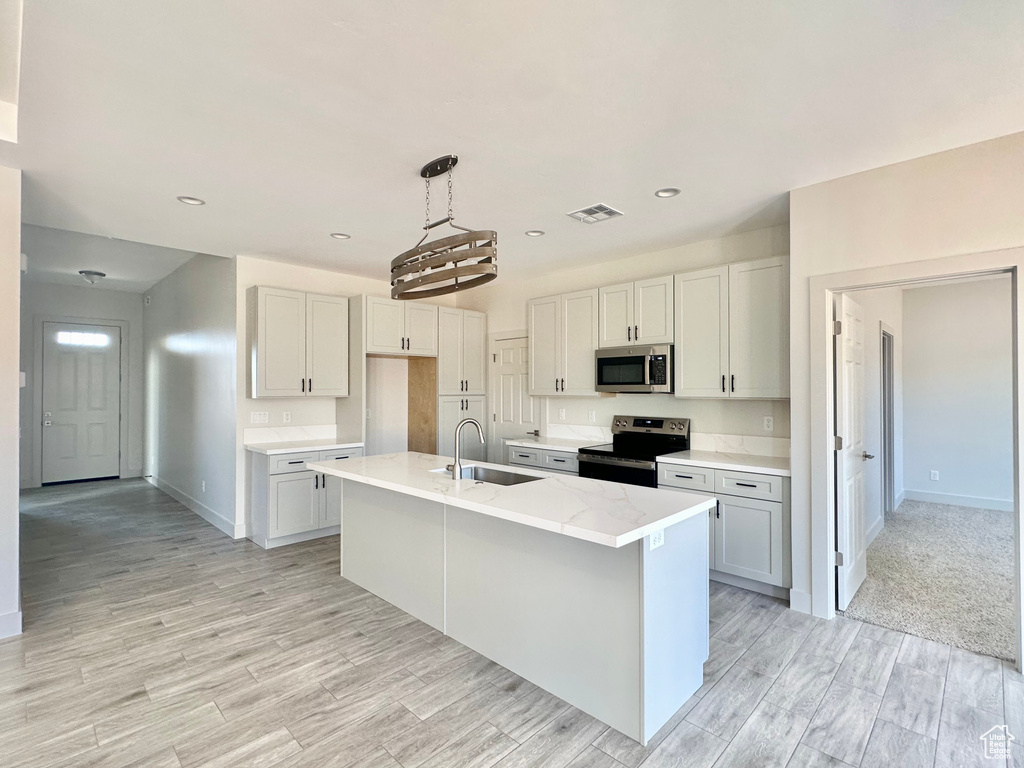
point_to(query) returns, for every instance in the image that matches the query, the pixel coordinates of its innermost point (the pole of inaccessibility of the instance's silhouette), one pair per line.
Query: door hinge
(837, 327)
(839, 442)
(839, 559)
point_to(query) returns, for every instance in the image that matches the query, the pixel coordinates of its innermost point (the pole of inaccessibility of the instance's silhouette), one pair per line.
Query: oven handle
(626, 463)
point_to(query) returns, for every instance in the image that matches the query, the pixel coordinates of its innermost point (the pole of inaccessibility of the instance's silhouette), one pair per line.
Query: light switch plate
(259, 417)
(657, 539)
(592, 416)
(561, 414)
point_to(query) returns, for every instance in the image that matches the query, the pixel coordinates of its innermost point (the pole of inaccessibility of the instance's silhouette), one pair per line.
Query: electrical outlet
(657, 539)
(204, 486)
(286, 417)
(769, 424)
(934, 475)
(147, 300)
(561, 414)
(592, 416)
(259, 417)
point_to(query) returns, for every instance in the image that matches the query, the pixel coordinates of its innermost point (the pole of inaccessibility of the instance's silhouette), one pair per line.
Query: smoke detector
(594, 213)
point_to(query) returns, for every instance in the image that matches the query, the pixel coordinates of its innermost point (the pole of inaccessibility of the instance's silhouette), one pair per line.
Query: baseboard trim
(295, 538)
(754, 586)
(900, 498)
(10, 624)
(218, 521)
(875, 529)
(800, 600)
(978, 502)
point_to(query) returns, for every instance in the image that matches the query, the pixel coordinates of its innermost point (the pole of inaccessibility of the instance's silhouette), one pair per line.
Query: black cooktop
(636, 437)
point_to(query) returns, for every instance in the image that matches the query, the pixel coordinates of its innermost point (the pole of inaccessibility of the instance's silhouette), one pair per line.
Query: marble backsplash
(753, 445)
(285, 434)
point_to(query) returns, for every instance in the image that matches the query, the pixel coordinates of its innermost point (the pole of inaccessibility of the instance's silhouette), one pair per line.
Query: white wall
(963, 201)
(504, 301)
(190, 354)
(881, 305)
(387, 400)
(958, 389)
(10, 297)
(89, 304)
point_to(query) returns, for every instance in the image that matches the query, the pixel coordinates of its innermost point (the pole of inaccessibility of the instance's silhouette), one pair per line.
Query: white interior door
(515, 411)
(81, 402)
(851, 534)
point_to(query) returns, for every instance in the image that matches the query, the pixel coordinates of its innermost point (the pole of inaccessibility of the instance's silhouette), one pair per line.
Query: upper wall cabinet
(461, 351)
(300, 345)
(400, 327)
(563, 336)
(636, 313)
(732, 331)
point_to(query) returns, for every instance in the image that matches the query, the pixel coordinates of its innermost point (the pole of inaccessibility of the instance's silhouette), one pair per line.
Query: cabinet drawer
(341, 453)
(687, 478)
(560, 462)
(290, 462)
(529, 457)
(749, 485)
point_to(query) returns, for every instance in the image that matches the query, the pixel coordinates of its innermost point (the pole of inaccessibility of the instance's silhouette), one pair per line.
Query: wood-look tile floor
(153, 640)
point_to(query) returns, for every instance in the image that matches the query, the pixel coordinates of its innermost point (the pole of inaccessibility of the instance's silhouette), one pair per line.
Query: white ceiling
(297, 119)
(56, 256)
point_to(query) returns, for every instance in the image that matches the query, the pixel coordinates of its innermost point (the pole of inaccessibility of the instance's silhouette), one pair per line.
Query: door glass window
(82, 339)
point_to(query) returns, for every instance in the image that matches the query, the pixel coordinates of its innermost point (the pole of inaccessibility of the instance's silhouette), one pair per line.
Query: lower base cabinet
(290, 503)
(450, 411)
(549, 460)
(748, 531)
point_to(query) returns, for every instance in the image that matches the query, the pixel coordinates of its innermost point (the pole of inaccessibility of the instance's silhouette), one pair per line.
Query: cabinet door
(449, 352)
(543, 318)
(748, 539)
(472, 448)
(577, 343)
(759, 329)
(421, 329)
(294, 503)
(327, 345)
(711, 538)
(702, 333)
(474, 351)
(385, 326)
(652, 311)
(280, 343)
(616, 315)
(450, 412)
(330, 501)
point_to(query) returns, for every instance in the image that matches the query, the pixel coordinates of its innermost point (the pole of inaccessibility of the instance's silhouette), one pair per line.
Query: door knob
(867, 456)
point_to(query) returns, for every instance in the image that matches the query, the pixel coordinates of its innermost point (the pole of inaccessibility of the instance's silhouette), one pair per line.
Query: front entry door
(515, 411)
(81, 402)
(851, 533)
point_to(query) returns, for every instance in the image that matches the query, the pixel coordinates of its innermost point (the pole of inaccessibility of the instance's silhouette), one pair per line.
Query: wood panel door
(81, 402)
(326, 345)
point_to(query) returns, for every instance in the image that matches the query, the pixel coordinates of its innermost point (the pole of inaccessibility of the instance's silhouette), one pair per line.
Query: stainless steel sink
(495, 476)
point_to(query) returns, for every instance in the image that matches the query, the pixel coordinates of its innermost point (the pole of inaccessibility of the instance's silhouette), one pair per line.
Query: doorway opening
(81, 402)
(514, 412)
(924, 476)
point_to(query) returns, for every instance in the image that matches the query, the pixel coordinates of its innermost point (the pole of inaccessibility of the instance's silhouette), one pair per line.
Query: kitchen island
(594, 591)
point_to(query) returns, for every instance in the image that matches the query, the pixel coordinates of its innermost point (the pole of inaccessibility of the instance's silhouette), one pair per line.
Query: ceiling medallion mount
(91, 276)
(454, 263)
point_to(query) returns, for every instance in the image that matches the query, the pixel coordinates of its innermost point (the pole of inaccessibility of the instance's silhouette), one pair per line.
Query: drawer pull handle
(747, 485)
(523, 455)
(296, 462)
(560, 461)
(686, 477)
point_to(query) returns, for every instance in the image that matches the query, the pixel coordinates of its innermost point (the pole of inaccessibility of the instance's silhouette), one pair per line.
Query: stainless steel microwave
(635, 369)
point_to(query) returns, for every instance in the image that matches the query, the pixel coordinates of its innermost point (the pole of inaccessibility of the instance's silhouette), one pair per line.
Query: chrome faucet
(456, 468)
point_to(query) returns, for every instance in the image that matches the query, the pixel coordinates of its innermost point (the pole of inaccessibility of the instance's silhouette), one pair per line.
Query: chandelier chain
(451, 216)
(426, 220)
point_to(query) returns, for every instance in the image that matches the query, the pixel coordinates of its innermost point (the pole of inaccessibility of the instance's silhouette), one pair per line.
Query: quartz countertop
(299, 446)
(612, 514)
(568, 444)
(741, 462)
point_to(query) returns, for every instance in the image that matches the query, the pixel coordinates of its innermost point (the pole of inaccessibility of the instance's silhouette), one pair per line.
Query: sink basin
(488, 475)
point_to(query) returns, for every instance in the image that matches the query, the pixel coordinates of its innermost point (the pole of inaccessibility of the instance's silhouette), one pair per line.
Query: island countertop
(612, 514)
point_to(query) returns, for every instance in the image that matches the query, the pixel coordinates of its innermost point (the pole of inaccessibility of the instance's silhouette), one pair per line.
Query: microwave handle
(647, 370)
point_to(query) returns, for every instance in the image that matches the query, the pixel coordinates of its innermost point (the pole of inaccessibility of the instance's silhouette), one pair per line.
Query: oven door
(620, 371)
(629, 471)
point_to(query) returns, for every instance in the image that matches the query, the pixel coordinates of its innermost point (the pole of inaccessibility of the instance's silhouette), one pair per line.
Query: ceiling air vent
(594, 213)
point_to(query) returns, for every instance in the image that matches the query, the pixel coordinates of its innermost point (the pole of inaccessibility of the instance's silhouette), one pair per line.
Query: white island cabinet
(591, 590)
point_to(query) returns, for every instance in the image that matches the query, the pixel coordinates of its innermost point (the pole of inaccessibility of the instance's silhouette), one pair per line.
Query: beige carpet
(943, 573)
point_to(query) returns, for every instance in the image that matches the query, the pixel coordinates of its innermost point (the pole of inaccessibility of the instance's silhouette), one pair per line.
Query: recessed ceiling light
(534, 232)
(190, 200)
(667, 192)
(340, 236)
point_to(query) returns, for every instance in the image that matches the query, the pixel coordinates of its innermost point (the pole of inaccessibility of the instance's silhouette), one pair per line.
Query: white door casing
(851, 481)
(515, 411)
(81, 399)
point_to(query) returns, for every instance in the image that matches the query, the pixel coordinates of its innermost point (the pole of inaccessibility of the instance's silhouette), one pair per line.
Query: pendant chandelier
(454, 263)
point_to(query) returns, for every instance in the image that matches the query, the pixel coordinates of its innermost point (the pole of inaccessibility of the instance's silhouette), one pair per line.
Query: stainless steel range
(636, 444)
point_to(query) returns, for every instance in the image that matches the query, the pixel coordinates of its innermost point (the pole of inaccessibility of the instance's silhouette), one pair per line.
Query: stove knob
(672, 425)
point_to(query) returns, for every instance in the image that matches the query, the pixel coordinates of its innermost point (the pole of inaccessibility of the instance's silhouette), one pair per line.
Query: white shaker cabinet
(299, 345)
(636, 313)
(732, 331)
(563, 333)
(400, 327)
(461, 351)
(450, 411)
